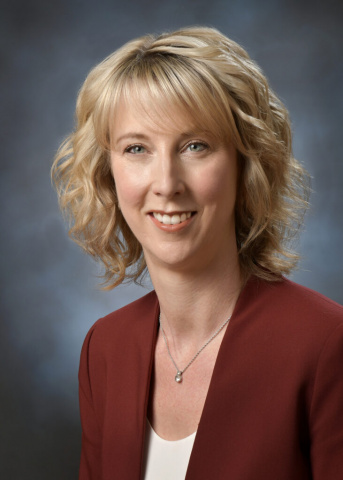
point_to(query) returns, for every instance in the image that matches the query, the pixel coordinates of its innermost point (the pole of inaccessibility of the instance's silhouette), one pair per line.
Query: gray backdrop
(49, 296)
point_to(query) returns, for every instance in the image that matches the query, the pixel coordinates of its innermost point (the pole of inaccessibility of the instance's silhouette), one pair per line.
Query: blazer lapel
(129, 374)
(215, 439)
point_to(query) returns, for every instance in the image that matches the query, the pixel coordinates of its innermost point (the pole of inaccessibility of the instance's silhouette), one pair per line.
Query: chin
(171, 257)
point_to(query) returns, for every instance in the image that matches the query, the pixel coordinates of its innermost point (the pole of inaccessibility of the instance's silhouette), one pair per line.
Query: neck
(194, 304)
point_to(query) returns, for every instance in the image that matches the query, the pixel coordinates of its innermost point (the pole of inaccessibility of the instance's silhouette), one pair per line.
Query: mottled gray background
(48, 292)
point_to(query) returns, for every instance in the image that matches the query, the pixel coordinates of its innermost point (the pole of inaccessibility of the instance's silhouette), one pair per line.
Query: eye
(135, 149)
(196, 147)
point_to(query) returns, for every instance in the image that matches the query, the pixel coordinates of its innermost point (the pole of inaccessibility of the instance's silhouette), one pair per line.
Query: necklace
(179, 373)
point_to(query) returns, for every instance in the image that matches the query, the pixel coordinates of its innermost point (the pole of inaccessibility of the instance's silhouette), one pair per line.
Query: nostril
(168, 189)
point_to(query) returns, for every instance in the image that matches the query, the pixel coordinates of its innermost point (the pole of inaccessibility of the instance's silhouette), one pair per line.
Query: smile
(173, 219)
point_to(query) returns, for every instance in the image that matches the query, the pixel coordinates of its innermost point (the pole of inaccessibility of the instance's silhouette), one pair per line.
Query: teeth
(166, 220)
(172, 219)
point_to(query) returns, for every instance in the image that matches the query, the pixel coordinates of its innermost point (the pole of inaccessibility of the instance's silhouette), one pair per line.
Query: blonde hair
(214, 81)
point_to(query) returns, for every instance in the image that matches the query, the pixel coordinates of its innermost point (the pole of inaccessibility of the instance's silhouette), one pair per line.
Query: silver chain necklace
(179, 373)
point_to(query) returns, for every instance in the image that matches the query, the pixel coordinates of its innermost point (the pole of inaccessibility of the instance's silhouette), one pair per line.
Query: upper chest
(175, 408)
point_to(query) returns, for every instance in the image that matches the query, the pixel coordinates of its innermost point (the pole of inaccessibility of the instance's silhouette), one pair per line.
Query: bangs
(162, 85)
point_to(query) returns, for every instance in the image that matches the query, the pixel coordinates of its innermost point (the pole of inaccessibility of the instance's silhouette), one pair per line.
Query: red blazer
(274, 409)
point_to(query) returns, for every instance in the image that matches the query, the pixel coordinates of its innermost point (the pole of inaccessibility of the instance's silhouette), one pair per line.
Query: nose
(168, 176)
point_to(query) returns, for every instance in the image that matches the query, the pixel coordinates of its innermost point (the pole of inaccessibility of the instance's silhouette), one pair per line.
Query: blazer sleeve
(90, 464)
(326, 414)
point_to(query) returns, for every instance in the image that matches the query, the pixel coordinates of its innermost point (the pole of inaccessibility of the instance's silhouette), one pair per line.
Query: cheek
(130, 187)
(217, 184)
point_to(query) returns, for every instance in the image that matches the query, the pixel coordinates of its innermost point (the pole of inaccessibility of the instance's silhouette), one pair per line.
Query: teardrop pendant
(178, 377)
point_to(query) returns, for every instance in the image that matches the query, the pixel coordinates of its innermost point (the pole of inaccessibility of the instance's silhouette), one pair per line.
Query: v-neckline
(211, 389)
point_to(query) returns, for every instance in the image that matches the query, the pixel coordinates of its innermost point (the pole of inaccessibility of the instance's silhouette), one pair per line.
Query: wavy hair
(212, 79)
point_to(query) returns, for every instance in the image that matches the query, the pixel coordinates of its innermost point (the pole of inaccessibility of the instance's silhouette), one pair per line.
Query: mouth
(173, 218)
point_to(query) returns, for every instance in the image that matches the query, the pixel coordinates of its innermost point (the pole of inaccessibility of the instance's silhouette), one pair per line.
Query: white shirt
(166, 459)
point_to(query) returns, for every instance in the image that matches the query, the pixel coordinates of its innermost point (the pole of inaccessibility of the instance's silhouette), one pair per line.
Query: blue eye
(196, 147)
(135, 149)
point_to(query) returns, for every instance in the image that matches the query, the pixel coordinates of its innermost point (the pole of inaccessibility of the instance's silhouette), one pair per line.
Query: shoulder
(308, 303)
(115, 349)
(295, 300)
(290, 313)
(132, 319)
(132, 312)
(308, 310)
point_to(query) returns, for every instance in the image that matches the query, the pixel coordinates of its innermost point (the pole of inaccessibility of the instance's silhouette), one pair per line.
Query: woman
(181, 162)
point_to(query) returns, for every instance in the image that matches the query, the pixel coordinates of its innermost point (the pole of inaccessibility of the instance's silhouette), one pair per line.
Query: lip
(172, 228)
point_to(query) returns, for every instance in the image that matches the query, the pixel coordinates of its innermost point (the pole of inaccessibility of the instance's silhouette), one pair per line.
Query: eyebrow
(142, 136)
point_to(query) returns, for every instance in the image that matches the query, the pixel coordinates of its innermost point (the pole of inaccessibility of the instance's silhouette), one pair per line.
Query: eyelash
(129, 148)
(202, 144)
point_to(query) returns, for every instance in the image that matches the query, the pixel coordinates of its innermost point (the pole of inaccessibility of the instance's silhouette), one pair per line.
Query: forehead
(140, 107)
(135, 116)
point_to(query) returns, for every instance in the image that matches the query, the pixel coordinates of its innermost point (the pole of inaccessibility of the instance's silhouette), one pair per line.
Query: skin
(176, 169)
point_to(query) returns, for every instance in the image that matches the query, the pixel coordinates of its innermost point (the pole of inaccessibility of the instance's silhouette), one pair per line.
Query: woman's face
(176, 188)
